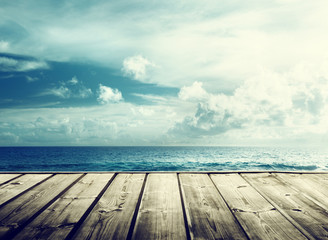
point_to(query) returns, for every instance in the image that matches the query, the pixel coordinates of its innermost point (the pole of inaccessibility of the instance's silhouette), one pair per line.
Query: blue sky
(164, 73)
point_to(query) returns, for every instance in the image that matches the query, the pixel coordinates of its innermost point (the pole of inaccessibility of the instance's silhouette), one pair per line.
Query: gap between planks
(136, 211)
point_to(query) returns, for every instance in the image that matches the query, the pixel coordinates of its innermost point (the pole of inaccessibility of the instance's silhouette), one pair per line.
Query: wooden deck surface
(179, 206)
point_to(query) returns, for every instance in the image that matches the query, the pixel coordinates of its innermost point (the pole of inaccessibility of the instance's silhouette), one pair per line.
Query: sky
(144, 72)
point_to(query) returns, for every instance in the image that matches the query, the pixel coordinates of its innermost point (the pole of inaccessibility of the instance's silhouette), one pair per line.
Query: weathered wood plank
(292, 203)
(208, 215)
(13, 188)
(313, 188)
(6, 177)
(160, 215)
(258, 217)
(59, 219)
(17, 212)
(320, 179)
(112, 215)
(301, 198)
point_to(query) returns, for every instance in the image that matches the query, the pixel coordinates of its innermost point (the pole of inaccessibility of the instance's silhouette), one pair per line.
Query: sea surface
(162, 159)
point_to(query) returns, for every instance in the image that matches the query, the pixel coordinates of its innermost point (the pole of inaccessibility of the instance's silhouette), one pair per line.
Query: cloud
(246, 69)
(109, 95)
(195, 91)
(289, 108)
(218, 44)
(84, 92)
(62, 92)
(8, 138)
(136, 67)
(273, 102)
(73, 81)
(71, 88)
(7, 63)
(146, 111)
(121, 124)
(60, 131)
(13, 65)
(32, 65)
(31, 79)
(206, 121)
(151, 98)
(4, 46)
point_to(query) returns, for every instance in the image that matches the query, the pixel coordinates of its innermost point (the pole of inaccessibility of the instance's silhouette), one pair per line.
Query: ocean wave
(161, 159)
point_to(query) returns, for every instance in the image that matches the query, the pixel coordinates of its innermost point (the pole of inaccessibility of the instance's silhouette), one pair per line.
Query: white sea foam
(161, 159)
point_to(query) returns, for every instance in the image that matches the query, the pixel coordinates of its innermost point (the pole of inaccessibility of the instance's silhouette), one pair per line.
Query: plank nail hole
(297, 210)
(16, 183)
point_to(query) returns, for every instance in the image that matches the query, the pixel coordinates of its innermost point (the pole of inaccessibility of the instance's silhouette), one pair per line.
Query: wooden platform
(164, 206)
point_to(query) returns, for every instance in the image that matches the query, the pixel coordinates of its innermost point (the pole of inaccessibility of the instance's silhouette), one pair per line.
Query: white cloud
(32, 65)
(121, 124)
(31, 79)
(286, 105)
(220, 44)
(4, 46)
(7, 63)
(84, 92)
(270, 108)
(8, 138)
(12, 65)
(69, 89)
(62, 92)
(206, 50)
(73, 81)
(77, 88)
(136, 67)
(151, 97)
(195, 91)
(109, 95)
(146, 111)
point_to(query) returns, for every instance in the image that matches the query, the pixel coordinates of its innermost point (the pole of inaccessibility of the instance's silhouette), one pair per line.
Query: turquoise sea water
(161, 159)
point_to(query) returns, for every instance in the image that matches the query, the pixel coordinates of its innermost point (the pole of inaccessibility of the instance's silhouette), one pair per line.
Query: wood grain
(112, 215)
(208, 215)
(6, 177)
(314, 188)
(59, 219)
(258, 217)
(163, 206)
(291, 202)
(17, 186)
(160, 215)
(319, 179)
(17, 212)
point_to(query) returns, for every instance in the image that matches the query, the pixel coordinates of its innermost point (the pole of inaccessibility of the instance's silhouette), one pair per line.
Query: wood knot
(237, 210)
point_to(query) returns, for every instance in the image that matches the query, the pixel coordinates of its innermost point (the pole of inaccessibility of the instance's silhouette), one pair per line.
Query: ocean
(162, 159)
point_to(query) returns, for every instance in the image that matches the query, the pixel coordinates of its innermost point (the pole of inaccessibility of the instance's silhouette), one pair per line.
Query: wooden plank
(6, 177)
(308, 216)
(112, 215)
(160, 215)
(313, 187)
(314, 179)
(17, 186)
(59, 219)
(17, 212)
(257, 216)
(207, 213)
(320, 179)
